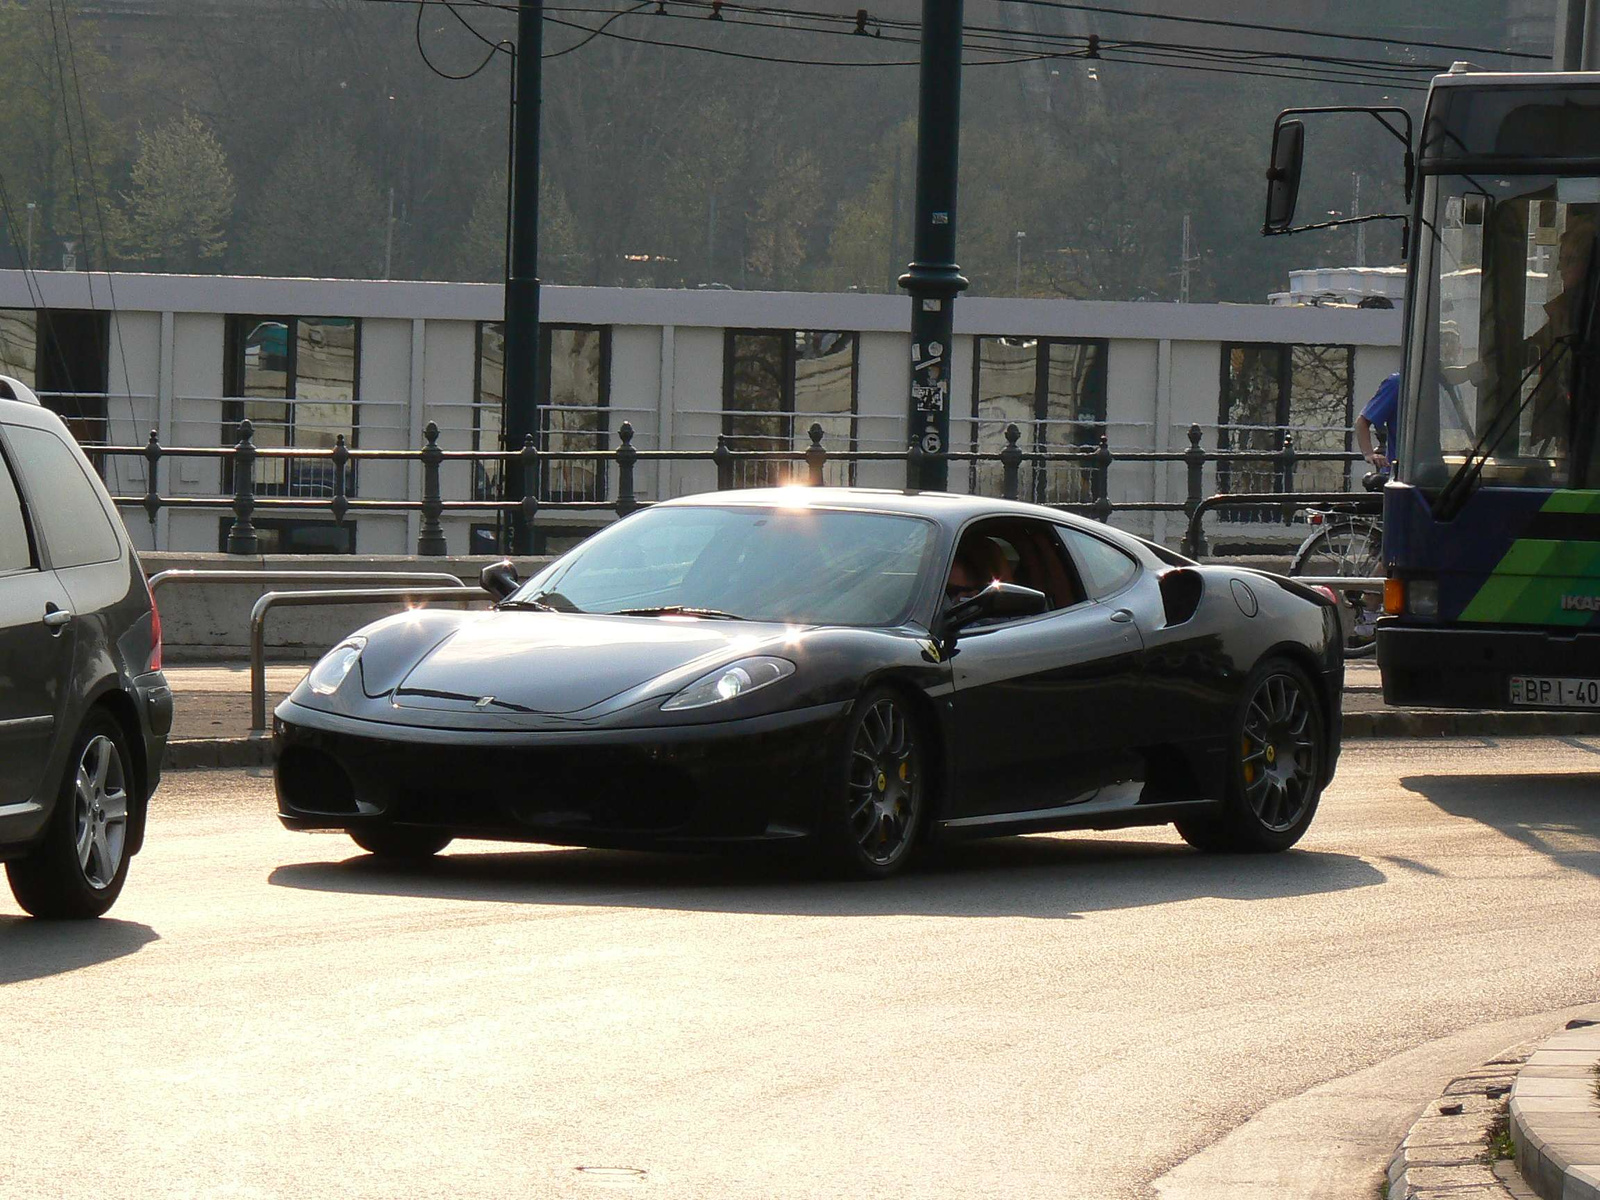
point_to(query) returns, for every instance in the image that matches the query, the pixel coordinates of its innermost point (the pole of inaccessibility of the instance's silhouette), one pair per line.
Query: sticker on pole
(935, 349)
(931, 443)
(932, 305)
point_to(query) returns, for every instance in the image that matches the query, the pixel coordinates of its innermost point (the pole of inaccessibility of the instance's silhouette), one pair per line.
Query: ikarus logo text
(1575, 603)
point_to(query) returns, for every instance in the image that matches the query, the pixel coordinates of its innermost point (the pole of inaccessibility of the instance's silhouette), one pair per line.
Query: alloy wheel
(100, 814)
(1279, 752)
(885, 783)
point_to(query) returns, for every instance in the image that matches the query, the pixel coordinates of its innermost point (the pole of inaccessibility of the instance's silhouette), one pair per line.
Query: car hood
(561, 663)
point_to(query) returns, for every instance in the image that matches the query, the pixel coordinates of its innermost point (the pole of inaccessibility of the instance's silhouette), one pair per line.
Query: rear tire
(877, 796)
(400, 843)
(1276, 759)
(1352, 547)
(78, 870)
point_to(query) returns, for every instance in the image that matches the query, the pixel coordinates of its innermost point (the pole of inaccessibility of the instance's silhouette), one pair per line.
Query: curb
(200, 753)
(1429, 722)
(1443, 1154)
(189, 753)
(1555, 1117)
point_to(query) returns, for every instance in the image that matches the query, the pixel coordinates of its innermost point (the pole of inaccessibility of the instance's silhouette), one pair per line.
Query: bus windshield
(1505, 292)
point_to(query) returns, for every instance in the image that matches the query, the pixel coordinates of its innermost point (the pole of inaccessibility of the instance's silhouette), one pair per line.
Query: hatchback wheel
(79, 868)
(1277, 760)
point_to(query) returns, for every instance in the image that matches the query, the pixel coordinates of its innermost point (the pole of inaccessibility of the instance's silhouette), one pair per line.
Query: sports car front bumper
(755, 779)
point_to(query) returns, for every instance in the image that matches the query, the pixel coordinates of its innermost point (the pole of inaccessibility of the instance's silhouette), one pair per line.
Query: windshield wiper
(680, 610)
(1455, 493)
(543, 602)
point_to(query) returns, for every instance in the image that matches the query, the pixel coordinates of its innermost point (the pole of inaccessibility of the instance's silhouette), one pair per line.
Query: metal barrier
(185, 575)
(808, 467)
(271, 600)
(1194, 541)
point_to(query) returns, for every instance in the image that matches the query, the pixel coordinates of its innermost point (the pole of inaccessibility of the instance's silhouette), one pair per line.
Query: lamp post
(933, 279)
(31, 207)
(1018, 287)
(522, 277)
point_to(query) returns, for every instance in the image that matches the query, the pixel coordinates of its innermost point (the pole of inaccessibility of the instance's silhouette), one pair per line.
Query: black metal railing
(811, 463)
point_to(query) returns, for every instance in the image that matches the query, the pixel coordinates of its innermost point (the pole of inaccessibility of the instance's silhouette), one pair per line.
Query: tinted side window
(15, 553)
(1104, 568)
(75, 526)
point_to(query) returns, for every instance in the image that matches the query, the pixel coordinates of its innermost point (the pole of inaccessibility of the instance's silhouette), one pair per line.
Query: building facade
(307, 360)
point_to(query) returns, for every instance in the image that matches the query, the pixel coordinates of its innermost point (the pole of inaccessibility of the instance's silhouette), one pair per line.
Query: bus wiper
(679, 610)
(1462, 484)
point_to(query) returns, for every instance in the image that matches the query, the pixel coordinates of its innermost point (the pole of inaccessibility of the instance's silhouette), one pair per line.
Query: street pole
(522, 274)
(1017, 290)
(1577, 35)
(933, 279)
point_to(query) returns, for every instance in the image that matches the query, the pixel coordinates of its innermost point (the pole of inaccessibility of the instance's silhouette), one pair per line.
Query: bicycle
(1348, 542)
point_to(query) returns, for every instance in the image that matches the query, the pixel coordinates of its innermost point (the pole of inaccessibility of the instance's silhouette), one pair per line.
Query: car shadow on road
(1044, 877)
(1557, 815)
(31, 949)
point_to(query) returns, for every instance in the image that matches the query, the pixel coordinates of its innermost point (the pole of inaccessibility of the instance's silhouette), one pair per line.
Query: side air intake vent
(1181, 590)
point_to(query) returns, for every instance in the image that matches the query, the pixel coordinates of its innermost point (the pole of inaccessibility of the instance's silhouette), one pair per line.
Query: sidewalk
(1551, 1121)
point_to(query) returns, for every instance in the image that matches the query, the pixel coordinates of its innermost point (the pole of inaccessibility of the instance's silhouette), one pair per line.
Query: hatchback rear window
(64, 503)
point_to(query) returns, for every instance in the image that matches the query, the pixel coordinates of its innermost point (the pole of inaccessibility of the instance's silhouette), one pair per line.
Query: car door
(1036, 700)
(36, 647)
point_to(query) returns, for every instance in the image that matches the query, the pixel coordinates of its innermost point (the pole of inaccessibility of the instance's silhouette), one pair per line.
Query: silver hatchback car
(84, 707)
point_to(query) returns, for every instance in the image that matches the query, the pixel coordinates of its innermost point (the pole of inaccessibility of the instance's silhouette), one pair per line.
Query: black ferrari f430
(861, 671)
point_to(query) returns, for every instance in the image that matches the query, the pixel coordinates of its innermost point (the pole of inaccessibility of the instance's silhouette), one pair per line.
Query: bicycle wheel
(1351, 546)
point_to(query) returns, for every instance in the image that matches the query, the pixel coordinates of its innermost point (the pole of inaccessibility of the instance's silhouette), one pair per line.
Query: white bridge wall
(417, 364)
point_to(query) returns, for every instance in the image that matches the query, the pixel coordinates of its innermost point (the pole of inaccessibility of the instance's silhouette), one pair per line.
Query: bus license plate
(1548, 692)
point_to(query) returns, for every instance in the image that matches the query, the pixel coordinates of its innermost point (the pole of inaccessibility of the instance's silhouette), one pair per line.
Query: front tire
(400, 843)
(1276, 762)
(877, 798)
(78, 870)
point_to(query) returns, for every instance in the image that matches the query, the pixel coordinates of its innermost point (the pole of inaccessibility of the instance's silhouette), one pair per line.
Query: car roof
(948, 508)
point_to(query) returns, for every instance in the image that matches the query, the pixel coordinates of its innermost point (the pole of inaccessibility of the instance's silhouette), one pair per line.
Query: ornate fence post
(242, 537)
(530, 489)
(1194, 458)
(430, 535)
(340, 459)
(816, 456)
(723, 457)
(627, 499)
(915, 457)
(1011, 463)
(1100, 480)
(1286, 461)
(152, 495)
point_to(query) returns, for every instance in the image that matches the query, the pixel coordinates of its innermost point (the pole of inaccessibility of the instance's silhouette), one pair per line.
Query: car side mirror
(999, 600)
(500, 579)
(1283, 176)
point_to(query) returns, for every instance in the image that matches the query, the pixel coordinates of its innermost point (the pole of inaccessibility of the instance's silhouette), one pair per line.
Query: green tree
(483, 240)
(177, 211)
(55, 141)
(320, 213)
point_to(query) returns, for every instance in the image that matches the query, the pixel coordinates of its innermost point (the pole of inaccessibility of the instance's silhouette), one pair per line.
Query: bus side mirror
(1283, 176)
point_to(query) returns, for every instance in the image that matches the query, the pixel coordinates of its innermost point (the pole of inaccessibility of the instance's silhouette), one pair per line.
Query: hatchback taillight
(155, 631)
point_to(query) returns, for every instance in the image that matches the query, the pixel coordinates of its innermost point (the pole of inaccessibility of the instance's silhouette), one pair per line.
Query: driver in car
(979, 562)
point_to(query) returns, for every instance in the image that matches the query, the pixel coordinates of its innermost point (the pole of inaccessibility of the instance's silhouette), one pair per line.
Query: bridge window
(574, 398)
(776, 385)
(1054, 390)
(297, 380)
(1270, 391)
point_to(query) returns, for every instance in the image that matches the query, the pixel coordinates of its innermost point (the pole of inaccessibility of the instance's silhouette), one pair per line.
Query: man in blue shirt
(1380, 411)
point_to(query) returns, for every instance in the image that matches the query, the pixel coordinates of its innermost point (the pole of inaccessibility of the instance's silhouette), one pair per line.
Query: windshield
(799, 566)
(1502, 280)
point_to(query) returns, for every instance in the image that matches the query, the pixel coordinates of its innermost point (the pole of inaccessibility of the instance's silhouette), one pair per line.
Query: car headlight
(330, 672)
(735, 679)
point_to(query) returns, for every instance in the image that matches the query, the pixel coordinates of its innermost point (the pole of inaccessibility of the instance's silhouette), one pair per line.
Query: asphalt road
(272, 1015)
